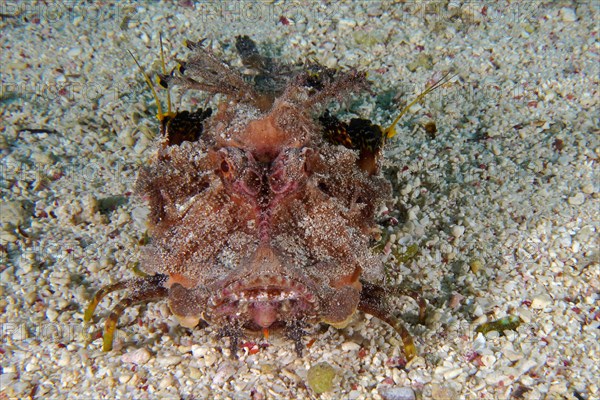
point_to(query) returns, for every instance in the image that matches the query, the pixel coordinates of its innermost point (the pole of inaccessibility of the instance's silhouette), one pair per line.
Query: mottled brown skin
(261, 223)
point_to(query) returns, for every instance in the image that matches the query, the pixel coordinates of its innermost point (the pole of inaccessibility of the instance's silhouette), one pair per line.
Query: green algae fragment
(423, 60)
(410, 253)
(268, 368)
(509, 323)
(476, 265)
(320, 377)
(366, 39)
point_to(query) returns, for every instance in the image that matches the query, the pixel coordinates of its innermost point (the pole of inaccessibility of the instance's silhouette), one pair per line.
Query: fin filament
(159, 115)
(390, 131)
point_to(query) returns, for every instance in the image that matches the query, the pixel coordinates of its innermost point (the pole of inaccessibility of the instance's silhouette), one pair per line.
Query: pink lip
(264, 300)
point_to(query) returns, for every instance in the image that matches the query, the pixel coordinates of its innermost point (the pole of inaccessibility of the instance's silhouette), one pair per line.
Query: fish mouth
(262, 302)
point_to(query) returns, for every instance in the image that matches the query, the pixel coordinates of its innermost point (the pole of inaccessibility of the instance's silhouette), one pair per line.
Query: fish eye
(225, 166)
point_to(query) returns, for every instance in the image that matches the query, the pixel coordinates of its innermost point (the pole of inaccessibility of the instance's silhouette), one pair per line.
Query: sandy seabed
(501, 203)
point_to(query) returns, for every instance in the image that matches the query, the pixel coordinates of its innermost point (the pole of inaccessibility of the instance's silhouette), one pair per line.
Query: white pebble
(224, 372)
(32, 366)
(145, 38)
(74, 52)
(439, 392)
(541, 301)
(488, 360)
(397, 393)
(586, 232)
(123, 219)
(354, 394)
(417, 362)
(452, 373)
(65, 359)
(588, 188)
(525, 365)
(331, 62)
(169, 360)
(567, 14)
(7, 237)
(496, 149)
(51, 314)
(93, 266)
(199, 351)
(13, 213)
(139, 356)
(25, 266)
(479, 343)
(494, 379)
(346, 23)
(43, 158)
(5, 379)
(525, 314)
(350, 346)
(210, 359)
(577, 200)
(166, 382)
(527, 380)
(194, 373)
(512, 355)
(458, 231)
